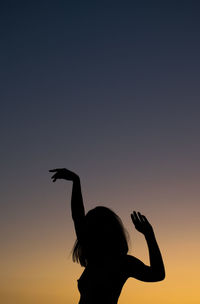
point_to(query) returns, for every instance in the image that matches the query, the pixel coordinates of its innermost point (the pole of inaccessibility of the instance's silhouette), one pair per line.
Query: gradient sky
(109, 89)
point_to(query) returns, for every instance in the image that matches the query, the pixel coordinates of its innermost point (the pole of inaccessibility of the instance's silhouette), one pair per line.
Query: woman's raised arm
(156, 271)
(77, 207)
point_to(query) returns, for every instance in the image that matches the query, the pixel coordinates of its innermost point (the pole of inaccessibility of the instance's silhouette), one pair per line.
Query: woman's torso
(102, 282)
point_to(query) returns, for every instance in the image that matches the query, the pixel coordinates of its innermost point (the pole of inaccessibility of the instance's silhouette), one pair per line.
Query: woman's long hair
(103, 236)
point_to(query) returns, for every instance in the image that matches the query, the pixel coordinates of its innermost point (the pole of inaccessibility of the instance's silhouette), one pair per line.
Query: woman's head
(103, 236)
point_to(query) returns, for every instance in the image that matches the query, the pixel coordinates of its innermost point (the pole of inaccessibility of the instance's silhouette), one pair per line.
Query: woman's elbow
(157, 276)
(160, 276)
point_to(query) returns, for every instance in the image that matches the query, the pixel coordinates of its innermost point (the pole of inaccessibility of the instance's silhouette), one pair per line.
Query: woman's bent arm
(156, 261)
(156, 271)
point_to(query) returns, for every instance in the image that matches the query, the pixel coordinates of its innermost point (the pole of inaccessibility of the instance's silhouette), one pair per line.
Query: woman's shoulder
(128, 263)
(123, 262)
(124, 259)
(120, 264)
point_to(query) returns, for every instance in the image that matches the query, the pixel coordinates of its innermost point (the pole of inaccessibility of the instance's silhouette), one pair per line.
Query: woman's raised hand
(141, 223)
(63, 173)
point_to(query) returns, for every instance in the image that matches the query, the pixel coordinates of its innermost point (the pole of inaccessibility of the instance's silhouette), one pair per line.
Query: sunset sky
(110, 90)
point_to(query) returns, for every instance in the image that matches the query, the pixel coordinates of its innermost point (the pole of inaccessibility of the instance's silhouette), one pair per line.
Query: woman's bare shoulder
(132, 265)
(126, 259)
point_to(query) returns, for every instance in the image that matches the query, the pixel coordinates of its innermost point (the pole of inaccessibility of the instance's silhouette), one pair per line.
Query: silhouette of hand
(141, 223)
(63, 174)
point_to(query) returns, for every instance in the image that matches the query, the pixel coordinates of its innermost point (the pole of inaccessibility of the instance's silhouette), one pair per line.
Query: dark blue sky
(99, 87)
(104, 74)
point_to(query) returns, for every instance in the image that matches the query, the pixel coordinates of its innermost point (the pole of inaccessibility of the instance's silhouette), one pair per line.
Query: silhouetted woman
(101, 247)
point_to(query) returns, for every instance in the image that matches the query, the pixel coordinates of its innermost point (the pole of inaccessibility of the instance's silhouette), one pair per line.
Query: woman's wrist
(149, 234)
(76, 178)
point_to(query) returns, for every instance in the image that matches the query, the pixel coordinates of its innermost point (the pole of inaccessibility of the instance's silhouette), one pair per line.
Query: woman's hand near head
(141, 223)
(63, 173)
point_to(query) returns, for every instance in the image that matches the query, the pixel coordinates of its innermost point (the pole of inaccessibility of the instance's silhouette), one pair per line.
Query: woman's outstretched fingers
(135, 218)
(144, 219)
(135, 215)
(140, 217)
(54, 170)
(55, 176)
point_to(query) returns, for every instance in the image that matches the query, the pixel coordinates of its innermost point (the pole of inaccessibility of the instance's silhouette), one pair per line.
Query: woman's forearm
(156, 261)
(77, 206)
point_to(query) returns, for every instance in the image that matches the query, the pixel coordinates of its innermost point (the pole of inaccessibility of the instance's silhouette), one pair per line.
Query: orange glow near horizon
(50, 283)
(47, 274)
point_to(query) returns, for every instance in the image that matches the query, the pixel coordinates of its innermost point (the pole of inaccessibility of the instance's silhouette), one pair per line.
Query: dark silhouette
(101, 247)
